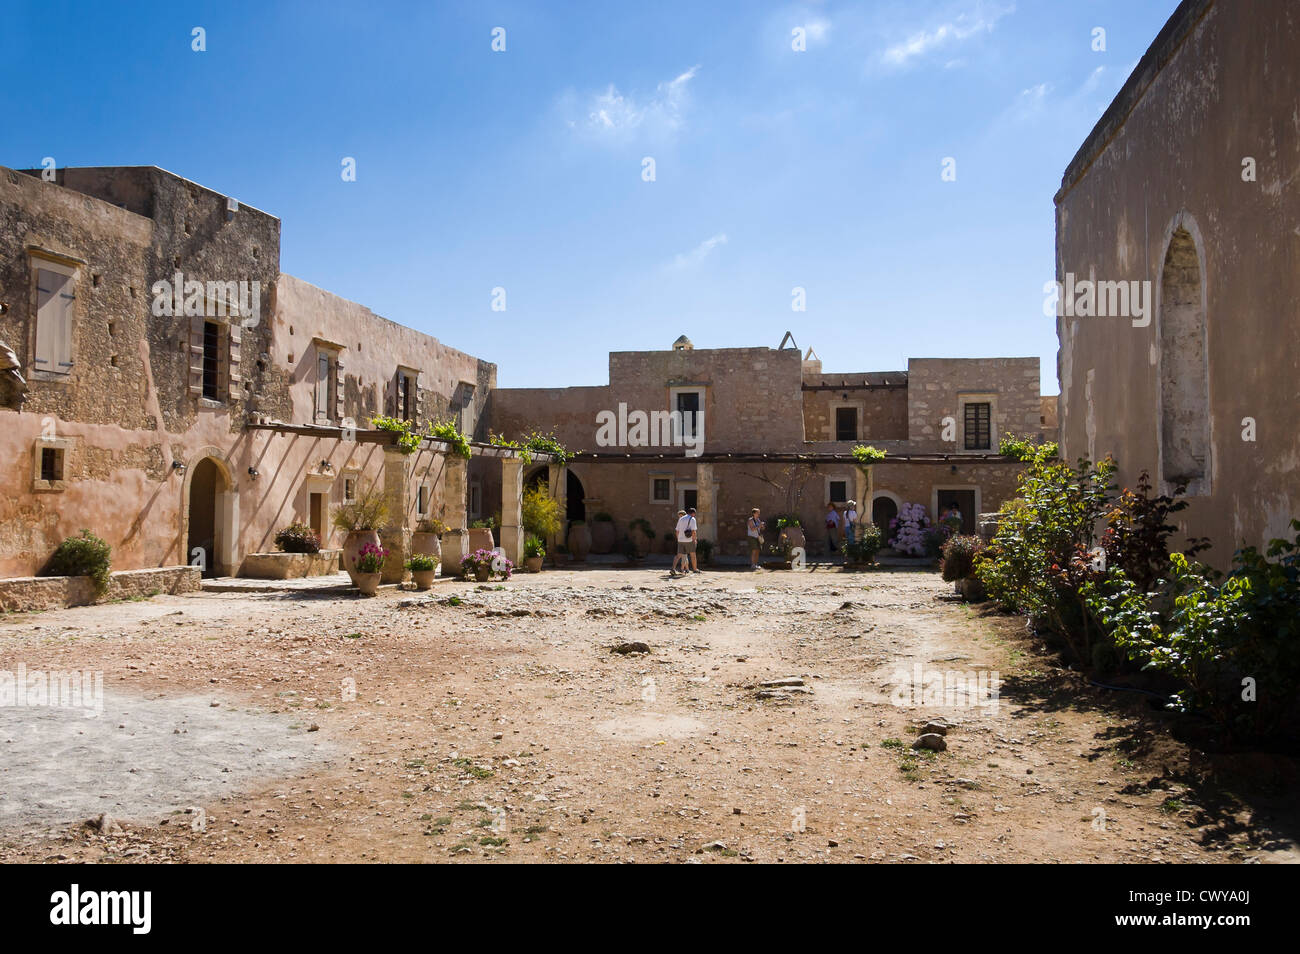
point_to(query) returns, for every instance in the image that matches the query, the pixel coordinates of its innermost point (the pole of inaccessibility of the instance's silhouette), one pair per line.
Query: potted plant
(704, 551)
(534, 554)
(426, 538)
(958, 566)
(422, 567)
(629, 549)
(483, 563)
(642, 533)
(790, 530)
(579, 541)
(369, 567)
(360, 519)
(602, 533)
(297, 538)
(862, 551)
(670, 542)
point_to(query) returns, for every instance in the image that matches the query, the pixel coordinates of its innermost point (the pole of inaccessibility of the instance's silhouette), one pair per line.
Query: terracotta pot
(483, 573)
(423, 579)
(972, 589)
(579, 542)
(352, 546)
(533, 564)
(427, 544)
(368, 583)
(794, 535)
(602, 536)
(645, 543)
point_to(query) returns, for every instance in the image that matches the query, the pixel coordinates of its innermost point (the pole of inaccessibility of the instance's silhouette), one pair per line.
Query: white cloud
(617, 116)
(981, 19)
(702, 251)
(817, 30)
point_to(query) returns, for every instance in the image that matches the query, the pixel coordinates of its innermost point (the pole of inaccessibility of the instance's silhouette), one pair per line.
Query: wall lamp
(326, 467)
(178, 466)
(254, 473)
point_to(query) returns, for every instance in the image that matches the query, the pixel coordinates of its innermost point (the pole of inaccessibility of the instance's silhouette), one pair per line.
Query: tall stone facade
(1186, 192)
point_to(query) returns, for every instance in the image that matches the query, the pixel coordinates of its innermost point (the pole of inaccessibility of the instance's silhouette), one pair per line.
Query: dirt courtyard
(483, 722)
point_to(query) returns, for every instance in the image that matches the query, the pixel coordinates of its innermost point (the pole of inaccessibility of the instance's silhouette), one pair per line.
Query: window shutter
(196, 355)
(235, 348)
(338, 387)
(55, 300)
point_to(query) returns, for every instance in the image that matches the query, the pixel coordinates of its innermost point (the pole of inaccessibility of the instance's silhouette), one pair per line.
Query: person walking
(832, 529)
(850, 520)
(755, 528)
(686, 530)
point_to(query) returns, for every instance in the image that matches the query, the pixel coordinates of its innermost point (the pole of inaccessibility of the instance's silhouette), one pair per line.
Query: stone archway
(884, 508)
(210, 515)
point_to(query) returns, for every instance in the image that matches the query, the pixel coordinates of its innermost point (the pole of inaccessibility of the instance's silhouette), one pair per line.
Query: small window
(406, 396)
(422, 500)
(978, 426)
(211, 358)
(846, 423)
(839, 491)
(661, 490)
(51, 463)
(688, 405)
(349, 489)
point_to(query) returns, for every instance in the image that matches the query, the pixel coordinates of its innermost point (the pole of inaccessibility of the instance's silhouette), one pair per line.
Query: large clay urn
(793, 535)
(579, 542)
(353, 544)
(427, 544)
(480, 538)
(602, 536)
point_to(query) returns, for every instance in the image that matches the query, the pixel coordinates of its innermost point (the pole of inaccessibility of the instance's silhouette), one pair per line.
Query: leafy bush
(644, 525)
(603, 517)
(933, 539)
(788, 520)
(909, 527)
(83, 555)
(430, 525)
(407, 442)
(367, 512)
(1019, 448)
(1211, 635)
(421, 563)
(865, 455)
(449, 433)
(867, 542)
(1137, 533)
(959, 554)
(370, 559)
(541, 512)
(534, 547)
(537, 442)
(297, 538)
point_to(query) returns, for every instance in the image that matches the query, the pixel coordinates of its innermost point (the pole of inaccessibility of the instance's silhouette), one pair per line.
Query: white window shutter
(55, 300)
(338, 387)
(196, 355)
(233, 353)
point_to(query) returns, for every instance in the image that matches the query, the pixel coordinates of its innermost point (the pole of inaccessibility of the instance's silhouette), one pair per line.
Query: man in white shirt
(686, 531)
(850, 520)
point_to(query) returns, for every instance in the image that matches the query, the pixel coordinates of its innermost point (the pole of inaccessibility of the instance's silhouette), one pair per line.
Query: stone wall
(937, 386)
(36, 593)
(882, 408)
(1169, 164)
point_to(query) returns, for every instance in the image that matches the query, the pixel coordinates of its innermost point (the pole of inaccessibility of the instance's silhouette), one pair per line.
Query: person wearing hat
(850, 520)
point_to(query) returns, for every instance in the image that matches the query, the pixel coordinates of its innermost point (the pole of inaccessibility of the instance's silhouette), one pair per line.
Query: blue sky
(523, 169)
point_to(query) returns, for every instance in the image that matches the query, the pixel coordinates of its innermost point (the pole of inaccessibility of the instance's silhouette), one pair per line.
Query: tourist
(694, 531)
(832, 528)
(686, 530)
(850, 520)
(755, 528)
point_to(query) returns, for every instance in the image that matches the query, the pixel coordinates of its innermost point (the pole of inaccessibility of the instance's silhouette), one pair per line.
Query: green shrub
(534, 547)
(83, 555)
(867, 542)
(644, 525)
(421, 563)
(865, 455)
(448, 432)
(959, 554)
(541, 512)
(297, 538)
(407, 442)
(603, 517)
(788, 520)
(1138, 531)
(1019, 448)
(367, 512)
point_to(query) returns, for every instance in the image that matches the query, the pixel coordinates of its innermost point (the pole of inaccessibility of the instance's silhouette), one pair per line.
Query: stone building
(175, 393)
(774, 431)
(1182, 206)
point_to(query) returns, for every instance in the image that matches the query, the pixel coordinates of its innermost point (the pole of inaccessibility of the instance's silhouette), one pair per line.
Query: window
(689, 404)
(55, 298)
(475, 500)
(846, 423)
(349, 489)
(661, 490)
(211, 356)
(406, 400)
(422, 501)
(978, 425)
(837, 490)
(51, 463)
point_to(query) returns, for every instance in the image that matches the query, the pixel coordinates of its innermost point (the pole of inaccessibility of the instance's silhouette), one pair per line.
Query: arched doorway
(575, 497)
(1184, 368)
(207, 501)
(883, 510)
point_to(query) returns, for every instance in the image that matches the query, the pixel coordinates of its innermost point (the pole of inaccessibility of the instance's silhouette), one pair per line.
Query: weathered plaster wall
(1170, 151)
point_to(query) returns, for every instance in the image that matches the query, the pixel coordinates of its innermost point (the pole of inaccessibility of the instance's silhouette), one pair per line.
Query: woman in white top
(850, 520)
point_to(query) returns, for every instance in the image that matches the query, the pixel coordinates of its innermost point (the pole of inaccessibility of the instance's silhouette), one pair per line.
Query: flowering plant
(371, 559)
(482, 559)
(909, 528)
